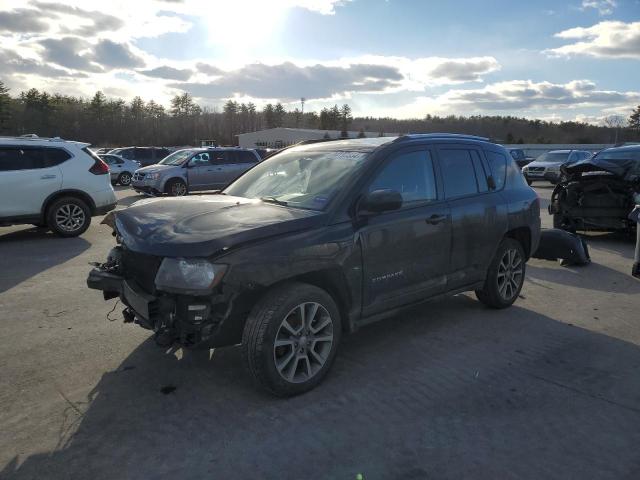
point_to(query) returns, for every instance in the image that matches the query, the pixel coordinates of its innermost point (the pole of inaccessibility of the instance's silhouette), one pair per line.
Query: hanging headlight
(188, 276)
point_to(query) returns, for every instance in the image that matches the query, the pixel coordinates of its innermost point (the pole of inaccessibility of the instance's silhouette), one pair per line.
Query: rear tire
(176, 188)
(68, 217)
(505, 276)
(291, 338)
(124, 179)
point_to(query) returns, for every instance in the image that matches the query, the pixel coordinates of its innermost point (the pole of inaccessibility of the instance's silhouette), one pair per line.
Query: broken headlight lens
(188, 276)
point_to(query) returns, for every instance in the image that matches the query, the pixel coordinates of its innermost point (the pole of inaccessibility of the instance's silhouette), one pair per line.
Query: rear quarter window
(498, 166)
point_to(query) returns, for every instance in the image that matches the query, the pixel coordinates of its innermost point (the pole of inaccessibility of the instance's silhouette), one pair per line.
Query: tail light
(99, 168)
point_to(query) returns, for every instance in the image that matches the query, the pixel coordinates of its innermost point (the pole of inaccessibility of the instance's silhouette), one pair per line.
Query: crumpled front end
(186, 320)
(595, 202)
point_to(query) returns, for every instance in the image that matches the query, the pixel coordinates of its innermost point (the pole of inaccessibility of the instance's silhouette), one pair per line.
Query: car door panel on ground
(476, 222)
(406, 252)
(29, 176)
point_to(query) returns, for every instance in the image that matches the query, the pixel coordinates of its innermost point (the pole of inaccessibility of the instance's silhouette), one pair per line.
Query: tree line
(104, 121)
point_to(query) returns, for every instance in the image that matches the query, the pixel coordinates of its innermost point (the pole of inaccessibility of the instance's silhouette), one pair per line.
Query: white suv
(52, 183)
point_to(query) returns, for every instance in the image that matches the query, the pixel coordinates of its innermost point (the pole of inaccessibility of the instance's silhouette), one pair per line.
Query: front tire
(68, 217)
(176, 188)
(291, 338)
(505, 276)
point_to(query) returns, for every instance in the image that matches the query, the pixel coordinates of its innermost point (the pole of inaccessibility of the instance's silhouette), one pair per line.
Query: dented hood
(595, 164)
(201, 226)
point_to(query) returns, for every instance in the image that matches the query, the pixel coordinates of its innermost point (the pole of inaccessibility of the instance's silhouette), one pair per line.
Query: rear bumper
(103, 210)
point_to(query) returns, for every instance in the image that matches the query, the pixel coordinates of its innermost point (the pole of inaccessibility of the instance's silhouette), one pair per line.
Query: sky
(553, 60)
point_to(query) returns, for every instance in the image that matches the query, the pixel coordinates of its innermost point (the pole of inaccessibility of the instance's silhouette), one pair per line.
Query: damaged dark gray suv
(319, 240)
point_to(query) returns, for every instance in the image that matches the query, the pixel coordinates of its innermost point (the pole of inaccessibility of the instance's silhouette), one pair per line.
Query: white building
(283, 137)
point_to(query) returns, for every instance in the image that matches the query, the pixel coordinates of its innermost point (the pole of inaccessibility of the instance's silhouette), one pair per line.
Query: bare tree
(615, 122)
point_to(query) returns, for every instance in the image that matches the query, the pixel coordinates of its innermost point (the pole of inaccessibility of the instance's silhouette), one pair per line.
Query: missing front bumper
(188, 321)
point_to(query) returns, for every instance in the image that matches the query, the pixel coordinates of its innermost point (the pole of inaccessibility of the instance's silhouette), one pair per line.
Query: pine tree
(5, 109)
(634, 119)
(345, 120)
(269, 116)
(279, 113)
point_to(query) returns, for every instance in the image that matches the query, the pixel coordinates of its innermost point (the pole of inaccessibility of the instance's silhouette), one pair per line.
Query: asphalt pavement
(549, 388)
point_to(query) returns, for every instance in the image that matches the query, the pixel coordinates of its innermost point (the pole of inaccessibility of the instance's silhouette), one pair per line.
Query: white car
(122, 169)
(52, 183)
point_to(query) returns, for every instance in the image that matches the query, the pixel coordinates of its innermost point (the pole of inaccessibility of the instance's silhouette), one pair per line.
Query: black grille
(141, 268)
(536, 169)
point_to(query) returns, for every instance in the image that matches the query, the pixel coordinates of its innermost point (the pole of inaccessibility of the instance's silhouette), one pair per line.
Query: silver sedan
(121, 169)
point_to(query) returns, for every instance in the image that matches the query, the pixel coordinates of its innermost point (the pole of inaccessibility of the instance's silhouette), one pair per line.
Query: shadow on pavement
(447, 390)
(618, 243)
(594, 276)
(25, 253)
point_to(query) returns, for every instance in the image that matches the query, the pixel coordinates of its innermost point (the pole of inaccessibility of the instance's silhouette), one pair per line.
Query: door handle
(47, 177)
(435, 219)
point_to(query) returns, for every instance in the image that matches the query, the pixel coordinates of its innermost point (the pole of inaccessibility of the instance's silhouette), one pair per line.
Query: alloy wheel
(303, 342)
(179, 189)
(125, 179)
(510, 274)
(70, 217)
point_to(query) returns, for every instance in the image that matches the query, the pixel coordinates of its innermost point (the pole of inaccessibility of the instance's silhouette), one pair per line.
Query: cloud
(288, 81)
(168, 73)
(611, 39)
(464, 69)
(209, 69)
(116, 55)
(15, 64)
(517, 95)
(604, 7)
(66, 53)
(100, 22)
(22, 20)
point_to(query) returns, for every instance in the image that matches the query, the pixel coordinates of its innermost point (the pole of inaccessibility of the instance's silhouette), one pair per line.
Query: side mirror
(380, 201)
(491, 183)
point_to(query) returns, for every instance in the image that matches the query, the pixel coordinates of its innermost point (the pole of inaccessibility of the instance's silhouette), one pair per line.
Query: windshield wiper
(274, 200)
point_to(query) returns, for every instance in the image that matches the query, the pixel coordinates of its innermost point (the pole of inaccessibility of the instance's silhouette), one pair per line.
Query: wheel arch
(79, 194)
(523, 236)
(168, 181)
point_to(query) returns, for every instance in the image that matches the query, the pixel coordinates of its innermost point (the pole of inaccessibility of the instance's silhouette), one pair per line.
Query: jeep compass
(319, 240)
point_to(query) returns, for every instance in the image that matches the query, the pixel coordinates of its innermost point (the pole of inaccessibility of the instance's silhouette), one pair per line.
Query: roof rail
(459, 136)
(33, 136)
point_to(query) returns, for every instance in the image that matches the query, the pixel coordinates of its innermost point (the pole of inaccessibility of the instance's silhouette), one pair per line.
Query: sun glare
(254, 23)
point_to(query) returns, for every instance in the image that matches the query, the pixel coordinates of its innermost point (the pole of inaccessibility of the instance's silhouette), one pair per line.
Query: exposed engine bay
(600, 202)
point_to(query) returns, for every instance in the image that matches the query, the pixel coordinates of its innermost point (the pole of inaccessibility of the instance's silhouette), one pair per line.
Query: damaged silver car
(599, 193)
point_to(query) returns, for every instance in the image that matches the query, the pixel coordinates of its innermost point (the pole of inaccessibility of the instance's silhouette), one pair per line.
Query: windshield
(304, 179)
(553, 157)
(176, 158)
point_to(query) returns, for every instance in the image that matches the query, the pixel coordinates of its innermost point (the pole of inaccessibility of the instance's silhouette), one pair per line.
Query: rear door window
(458, 172)
(223, 157)
(144, 154)
(498, 166)
(245, 156)
(31, 158)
